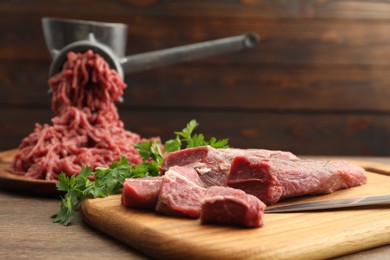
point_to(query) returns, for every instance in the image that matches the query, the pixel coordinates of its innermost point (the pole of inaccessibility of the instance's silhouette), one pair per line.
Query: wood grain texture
(256, 88)
(26, 232)
(285, 236)
(343, 9)
(321, 134)
(322, 67)
(283, 41)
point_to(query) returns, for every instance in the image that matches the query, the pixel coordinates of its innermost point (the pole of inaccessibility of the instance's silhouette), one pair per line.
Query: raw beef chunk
(213, 165)
(224, 205)
(273, 179)
(181, 193)
(141, 193)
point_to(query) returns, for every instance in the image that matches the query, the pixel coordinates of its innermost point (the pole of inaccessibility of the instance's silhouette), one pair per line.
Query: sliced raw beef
(224, 205)
(273, 179)
(213, 165)
(141, 193)
(181, 193)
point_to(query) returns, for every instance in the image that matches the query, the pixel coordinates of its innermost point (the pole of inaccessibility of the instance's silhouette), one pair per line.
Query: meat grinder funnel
(64, 35)
(109, 40)
(59, 33)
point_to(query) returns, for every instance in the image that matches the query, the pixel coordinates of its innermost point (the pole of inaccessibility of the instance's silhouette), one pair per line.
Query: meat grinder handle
(170, 56)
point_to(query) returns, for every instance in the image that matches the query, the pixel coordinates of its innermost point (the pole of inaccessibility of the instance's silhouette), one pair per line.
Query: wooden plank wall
(318, 83)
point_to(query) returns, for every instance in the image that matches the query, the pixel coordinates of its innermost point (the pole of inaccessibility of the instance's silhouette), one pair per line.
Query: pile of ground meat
(86, 129)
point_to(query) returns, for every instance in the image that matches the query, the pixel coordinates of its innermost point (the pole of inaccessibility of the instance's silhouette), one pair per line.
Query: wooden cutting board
(285, 236)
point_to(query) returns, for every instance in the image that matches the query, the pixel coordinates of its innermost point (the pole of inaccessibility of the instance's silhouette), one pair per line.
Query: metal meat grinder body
(109, 40)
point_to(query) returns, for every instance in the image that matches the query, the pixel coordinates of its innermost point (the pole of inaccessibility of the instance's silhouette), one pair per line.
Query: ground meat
(86, 129)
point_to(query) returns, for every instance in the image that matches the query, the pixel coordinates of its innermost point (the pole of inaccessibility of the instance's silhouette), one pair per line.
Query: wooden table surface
(26, 231)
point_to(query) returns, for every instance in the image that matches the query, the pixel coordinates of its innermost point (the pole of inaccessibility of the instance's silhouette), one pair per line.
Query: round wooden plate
(18, 184)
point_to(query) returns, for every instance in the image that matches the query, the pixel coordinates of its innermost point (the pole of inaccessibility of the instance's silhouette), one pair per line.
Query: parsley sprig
(186, 139)
(98, 184)
(105, 181)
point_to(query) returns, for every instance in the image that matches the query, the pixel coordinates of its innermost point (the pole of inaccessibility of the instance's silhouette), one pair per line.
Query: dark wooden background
(319, 82)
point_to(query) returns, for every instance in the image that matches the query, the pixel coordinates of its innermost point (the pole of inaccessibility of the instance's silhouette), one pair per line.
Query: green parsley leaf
(196, 141)
(186, 139)
(223, 143)
(187, 131)
(172, 145)
(150, 150)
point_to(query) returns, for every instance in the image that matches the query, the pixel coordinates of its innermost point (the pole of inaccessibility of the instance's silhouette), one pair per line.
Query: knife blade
(332, 204)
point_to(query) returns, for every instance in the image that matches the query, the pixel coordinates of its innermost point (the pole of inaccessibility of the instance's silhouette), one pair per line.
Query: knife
(332, 204)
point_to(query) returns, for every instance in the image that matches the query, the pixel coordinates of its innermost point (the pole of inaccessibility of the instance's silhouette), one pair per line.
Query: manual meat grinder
(109, 40)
